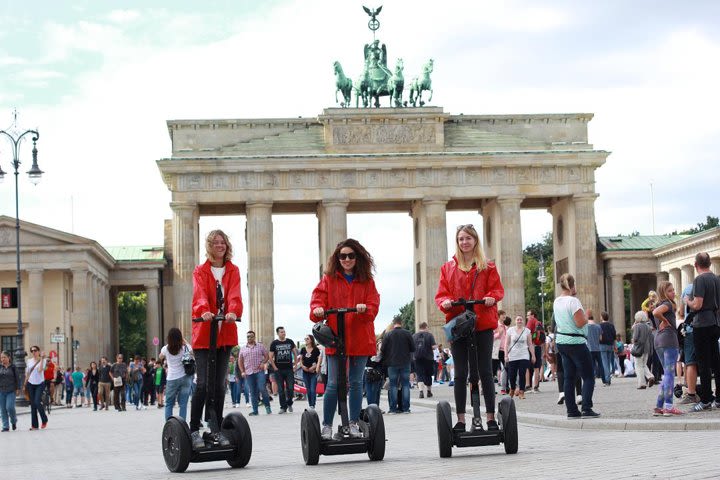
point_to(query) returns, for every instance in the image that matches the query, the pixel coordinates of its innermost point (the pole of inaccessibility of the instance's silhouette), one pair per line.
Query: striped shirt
(253, 356)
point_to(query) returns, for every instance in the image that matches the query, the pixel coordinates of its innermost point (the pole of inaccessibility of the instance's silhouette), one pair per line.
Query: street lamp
(541, 278)
(34, 173)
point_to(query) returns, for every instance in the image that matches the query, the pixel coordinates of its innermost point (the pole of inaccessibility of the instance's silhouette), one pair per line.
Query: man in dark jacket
(607, 347)
(397, 348)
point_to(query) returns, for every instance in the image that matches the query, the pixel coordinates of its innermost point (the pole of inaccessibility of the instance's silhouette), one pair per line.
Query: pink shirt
(500, 334)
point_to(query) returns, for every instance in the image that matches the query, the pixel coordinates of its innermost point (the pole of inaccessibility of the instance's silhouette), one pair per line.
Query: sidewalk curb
(616, 424)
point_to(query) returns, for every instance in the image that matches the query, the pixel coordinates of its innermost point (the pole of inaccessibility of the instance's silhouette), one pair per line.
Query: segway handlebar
(330, 311)
(462, 302)
(217, 318)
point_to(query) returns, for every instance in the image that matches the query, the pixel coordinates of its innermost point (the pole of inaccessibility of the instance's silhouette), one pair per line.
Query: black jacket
(397, 348)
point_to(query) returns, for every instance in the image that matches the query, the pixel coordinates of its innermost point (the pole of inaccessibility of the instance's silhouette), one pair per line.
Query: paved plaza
(80, 443)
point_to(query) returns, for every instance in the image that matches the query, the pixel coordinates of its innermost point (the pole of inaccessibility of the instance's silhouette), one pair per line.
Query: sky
(100, 79)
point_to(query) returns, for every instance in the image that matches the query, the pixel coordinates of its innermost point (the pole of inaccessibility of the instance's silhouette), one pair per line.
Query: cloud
(123, 16)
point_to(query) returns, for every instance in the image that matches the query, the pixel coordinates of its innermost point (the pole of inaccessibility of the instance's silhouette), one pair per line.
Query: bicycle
(46, 400)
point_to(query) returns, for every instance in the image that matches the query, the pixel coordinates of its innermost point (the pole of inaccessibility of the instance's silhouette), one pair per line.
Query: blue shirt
(593, 337)
(349, 278)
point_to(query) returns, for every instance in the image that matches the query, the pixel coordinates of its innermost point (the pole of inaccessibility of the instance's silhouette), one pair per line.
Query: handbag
(26, 392)
(117, 381)
(463, 325)
(638, 350)
(188, 361)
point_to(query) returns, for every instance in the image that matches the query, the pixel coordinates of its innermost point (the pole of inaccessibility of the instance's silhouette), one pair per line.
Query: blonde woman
(520, 354)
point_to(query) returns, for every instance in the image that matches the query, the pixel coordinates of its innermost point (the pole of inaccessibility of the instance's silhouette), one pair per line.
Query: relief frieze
(383, 134)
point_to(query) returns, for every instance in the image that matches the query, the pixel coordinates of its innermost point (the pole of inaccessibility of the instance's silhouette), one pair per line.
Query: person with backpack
(424, 359)
(537, 333)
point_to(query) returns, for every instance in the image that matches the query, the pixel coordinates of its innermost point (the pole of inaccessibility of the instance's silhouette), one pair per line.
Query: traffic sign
(57, 338)
(156, 341)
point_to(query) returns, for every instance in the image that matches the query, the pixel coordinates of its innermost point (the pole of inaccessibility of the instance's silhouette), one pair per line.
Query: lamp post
(34, 173)
(541, 278)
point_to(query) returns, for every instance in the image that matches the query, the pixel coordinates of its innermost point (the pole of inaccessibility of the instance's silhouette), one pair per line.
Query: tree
(531, 267)
(710, 222)
(132, 310)
(407, 314)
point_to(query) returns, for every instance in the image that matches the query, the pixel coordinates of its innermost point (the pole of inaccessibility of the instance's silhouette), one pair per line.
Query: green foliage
(710, 222)
(531, 267)
(132, 308)
(407, 314)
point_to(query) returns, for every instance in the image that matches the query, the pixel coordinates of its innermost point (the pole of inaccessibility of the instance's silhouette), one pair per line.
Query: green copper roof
(137, 253)
(638, 242)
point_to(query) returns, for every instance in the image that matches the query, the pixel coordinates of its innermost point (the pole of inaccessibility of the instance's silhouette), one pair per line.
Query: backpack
(538, 336)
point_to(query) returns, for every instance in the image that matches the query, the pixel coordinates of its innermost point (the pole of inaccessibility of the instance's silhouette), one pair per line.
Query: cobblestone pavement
(80, 443)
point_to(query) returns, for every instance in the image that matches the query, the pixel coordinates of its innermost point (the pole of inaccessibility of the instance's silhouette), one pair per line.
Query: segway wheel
(444, 429)
(376, 429)
(508, 418)
(310, 437)
(176, 445)
(236, 428)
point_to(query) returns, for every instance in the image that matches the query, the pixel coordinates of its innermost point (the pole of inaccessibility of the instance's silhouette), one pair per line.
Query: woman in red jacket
(468, 275)
(347, 282)
(217, 269)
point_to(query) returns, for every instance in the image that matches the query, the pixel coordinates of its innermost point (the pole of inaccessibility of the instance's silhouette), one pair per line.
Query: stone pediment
(36, 235)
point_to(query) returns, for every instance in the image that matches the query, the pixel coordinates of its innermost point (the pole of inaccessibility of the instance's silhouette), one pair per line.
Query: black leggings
(198, 398)
(461, 355)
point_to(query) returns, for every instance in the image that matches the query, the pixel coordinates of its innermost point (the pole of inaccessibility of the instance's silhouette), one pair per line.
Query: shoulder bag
(188, 361)
(463, 325)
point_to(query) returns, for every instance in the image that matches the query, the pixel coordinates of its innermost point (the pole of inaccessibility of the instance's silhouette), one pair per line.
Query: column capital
(180, 206)
(335, 202)
(435, 200)
(510, 199)
(578, 197)
(259, 204)
(34, 270)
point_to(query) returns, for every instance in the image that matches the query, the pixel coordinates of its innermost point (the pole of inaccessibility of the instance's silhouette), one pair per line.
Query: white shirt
(36, 374)
(520, 349)
(176, 369)
(218, 273)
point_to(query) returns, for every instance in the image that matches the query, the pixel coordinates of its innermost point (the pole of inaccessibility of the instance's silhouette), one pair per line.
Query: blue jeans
(136, 389)
(401, 376)
(577, 361)
(242, 387)
(668, 356)
(310, 380)
(256, 385)
(372, 392)
(608, 362)
(7, 409)
(234, 392)
(36, 404)
(285, 378)
(177, 389)
(355, 376)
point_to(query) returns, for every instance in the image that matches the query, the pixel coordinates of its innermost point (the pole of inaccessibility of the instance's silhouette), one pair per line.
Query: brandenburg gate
(419, 160)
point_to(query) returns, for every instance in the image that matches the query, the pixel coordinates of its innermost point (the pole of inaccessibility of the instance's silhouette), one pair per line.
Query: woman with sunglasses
(346, 283)
(217, 270)
(309, 361)
(470, 276)
(35, 383)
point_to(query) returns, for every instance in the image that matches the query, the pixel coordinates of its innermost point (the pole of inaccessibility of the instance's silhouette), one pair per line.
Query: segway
(370, 422)
(477, 436)
(176, 440)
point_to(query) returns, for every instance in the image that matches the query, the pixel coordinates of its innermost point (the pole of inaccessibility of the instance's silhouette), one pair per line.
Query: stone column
(676, 280)
(185, 253)
(260, 270)
(715, 265)
(36, 311)
(687, 275)
(114, 325)
(430, 253)
(503, 244)
(332, 227)
(81, 315)
(661, 277)
(585, 249)
(152, 320)
(618, 304)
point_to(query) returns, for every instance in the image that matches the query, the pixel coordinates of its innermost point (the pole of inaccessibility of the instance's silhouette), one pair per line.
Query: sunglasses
(250, 336)
(469, 225)
(33, 350)
(346, 256)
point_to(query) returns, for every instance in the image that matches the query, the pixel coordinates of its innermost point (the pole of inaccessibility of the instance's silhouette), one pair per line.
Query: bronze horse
(421, 83)
(343, 85)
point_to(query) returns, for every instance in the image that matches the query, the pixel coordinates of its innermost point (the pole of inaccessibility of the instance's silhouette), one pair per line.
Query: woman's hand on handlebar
(361, 307)
(230, 317)
(319, 312)
(489, 301)
(446, 305)
(207, 316)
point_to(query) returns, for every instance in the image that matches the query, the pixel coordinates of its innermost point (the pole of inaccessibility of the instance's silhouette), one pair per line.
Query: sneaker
(326, 432)
(451, 384)
(222, 439)
(670, 412)
(312, 407)
(355, 430)
(282, 411)
(476, 425)
(290, 409)
(492, 426)
(197, 441)
(429, 394)
(5, 429)
(715, 404)
(574, 415)
(561, 399)
(658, 412)
(689, 399)
(253, 414)
(421, 395)
(268, 410)
(32, 428)
(406, 411)
(700, 406)
(503, 392)
(590, 414)
(459, 427)
(642, 387)
(651, 382)
(14, 426)
(536, 389)
(393, 412)
(578, 399)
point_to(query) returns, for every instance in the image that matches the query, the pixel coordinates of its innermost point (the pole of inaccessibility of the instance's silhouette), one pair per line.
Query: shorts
(78, 391)
(689, 349)
(538, 357)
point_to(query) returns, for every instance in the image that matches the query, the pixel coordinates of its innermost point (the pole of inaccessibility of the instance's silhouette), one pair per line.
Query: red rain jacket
(455, 284)
(337, 292)
(204, 301)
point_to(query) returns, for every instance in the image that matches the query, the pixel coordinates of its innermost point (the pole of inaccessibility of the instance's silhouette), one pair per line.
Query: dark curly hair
(364, 263)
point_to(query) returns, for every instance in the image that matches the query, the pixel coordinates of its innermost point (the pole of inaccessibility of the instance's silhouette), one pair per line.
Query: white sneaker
(326, 432)
(355, 430)
(312, 407)
(561, 399)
